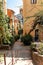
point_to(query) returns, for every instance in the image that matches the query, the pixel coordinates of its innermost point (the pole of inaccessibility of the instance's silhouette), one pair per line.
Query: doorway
(37, 35)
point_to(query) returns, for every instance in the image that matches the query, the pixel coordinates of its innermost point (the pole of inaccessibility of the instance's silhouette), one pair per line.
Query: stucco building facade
(13, 20)
(30, 8)
(10, 14)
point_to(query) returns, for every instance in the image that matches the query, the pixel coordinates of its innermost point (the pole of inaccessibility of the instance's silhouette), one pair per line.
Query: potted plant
(40, 49)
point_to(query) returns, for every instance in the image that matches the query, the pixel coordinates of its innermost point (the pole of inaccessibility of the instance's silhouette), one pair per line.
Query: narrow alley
(21, 55)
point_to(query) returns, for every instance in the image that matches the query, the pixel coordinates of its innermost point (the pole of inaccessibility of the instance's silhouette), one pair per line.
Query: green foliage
(5, 34)
(26, 39)
(38, 20)
(12, 41)
(39, 13)
(40, 48)
(20, 31)
(33, 47)
(37, 47)
(16, 37)
(1, 58)
(39, 17)
(7, 37)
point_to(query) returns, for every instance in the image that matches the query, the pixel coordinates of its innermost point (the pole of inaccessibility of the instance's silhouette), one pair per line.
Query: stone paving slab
(21, 55)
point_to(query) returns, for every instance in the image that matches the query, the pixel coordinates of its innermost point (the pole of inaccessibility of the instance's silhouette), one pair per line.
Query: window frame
(33, 1)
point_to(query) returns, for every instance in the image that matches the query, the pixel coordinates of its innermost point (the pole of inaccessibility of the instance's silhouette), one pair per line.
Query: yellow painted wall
(29, 10)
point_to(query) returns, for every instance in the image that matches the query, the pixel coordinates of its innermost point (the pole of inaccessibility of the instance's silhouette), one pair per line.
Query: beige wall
(29, 10)
(41, 32)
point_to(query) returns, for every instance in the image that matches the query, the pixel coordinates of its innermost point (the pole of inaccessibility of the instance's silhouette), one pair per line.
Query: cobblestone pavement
(21, 55)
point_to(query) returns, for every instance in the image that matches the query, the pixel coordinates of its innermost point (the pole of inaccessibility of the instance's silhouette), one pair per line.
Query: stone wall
(41, 32)
(28, 11)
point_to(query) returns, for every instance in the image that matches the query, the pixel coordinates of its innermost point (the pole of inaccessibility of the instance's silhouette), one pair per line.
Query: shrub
(20, 31)
(6, 38)
(26, 39)
(16, 37)
(40, 48)
(12, 41)
(33, 47)
(5, 34)
(37, 48)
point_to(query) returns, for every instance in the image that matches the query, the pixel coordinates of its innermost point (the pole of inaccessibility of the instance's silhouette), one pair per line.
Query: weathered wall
(30, 10)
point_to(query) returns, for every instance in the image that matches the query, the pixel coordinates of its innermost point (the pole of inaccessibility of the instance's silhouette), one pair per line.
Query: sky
(14, 5)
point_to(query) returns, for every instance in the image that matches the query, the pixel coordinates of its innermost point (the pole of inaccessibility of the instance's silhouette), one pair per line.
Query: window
(33, 1)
